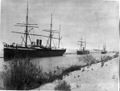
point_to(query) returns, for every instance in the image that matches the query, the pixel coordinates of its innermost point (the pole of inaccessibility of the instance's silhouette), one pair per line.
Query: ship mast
(59, 36)
(82, 44)
(104, 47)
(51, 32)
(26, 31)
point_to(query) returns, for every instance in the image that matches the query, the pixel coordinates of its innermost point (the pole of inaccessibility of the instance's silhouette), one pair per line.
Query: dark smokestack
(40, 41)
(37, 41)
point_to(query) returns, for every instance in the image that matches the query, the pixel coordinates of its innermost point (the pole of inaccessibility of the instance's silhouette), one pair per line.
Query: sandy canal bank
(93, 78)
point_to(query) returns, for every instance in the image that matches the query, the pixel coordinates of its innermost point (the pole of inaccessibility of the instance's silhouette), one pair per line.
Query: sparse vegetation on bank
(116, 55)
(89, 59)
(106, 58)
(63, 86)
(21, 74)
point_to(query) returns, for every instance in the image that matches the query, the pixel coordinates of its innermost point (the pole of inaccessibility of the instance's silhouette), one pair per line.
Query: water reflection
(51, 63)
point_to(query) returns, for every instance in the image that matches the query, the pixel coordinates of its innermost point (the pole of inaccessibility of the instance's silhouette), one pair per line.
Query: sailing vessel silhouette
(35, 49)
(104, 50)
(82, 50)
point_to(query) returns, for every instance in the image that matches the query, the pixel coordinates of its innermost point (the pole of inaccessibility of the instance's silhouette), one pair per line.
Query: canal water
(50, 63)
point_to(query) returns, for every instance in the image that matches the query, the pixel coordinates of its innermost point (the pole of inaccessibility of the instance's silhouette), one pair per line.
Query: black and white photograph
(59, 45)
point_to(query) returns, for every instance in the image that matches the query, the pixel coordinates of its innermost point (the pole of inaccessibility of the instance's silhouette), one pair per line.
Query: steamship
(104, 51)
(33, 49)
(82, 50)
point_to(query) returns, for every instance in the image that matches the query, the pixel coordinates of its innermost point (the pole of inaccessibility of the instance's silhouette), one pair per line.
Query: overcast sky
(95, 20)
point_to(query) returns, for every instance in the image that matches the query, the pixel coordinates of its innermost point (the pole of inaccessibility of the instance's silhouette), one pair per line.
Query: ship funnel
(39, 42)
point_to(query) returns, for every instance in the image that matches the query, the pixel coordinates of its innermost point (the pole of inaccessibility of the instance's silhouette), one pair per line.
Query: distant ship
(104, 50)
(34, 49)
(82, 50)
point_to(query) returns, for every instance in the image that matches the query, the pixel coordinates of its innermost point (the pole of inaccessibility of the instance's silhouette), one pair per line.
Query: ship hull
(82, 52)
(31, 52)
(103, 52)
